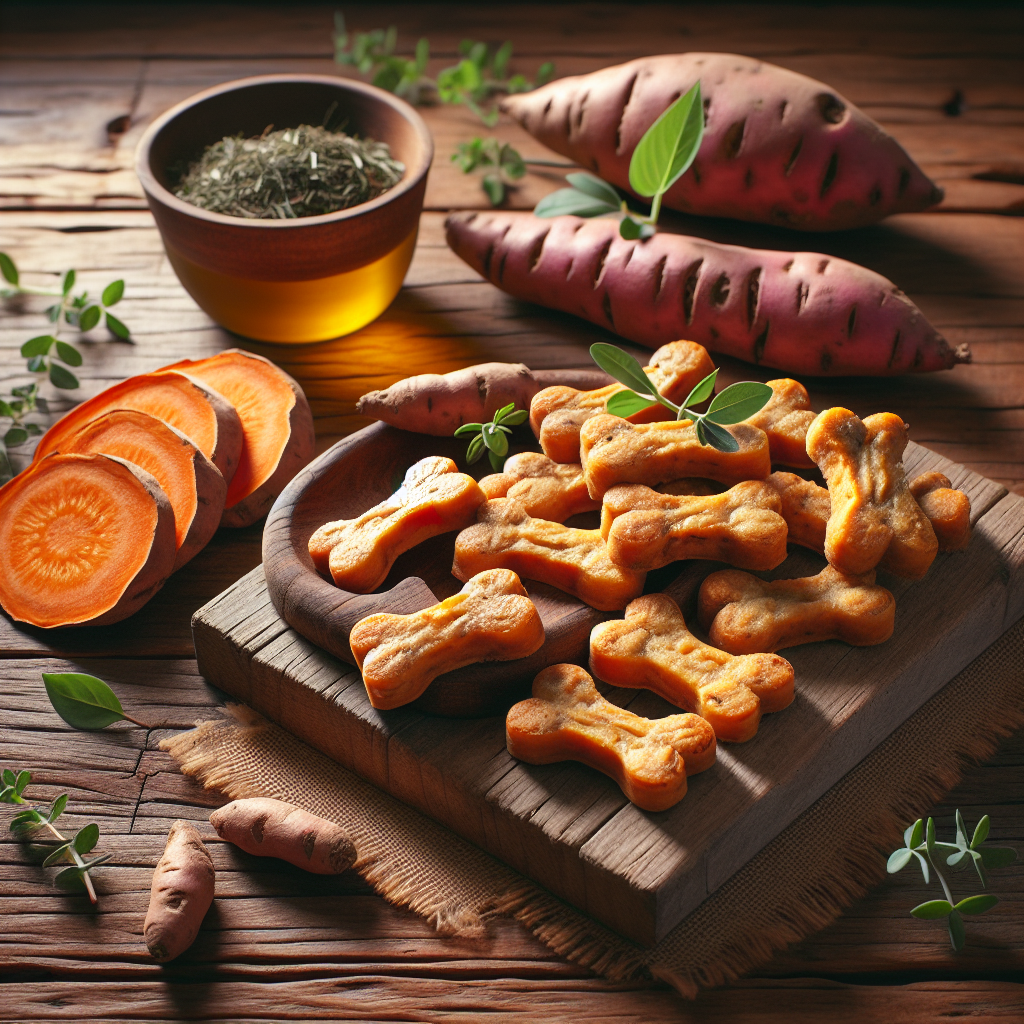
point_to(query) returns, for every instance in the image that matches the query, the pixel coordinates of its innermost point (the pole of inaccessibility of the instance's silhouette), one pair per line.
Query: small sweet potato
(274, 828)
(181, 893)
(802, 312)
(778, 147)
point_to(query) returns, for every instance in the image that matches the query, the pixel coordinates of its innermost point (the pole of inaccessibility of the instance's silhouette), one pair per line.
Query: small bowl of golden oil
(281, 277)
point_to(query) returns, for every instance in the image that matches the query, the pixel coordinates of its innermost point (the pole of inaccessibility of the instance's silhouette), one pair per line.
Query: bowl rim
(410, 180)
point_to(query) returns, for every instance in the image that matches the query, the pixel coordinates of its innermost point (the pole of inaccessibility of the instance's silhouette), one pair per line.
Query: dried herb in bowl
(294, 172)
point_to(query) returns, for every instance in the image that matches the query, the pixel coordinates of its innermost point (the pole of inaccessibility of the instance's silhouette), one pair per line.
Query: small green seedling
(492, 437)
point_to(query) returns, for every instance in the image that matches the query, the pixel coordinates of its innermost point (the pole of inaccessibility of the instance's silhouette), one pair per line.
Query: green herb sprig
(84, 701)
(731, 405)
(502, 165)
(920, 843)
(492, 437)
(661, 158)
(33, 823)
(48, 356)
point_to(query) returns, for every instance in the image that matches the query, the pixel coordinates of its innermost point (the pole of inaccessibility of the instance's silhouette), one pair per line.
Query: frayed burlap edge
(798, 884)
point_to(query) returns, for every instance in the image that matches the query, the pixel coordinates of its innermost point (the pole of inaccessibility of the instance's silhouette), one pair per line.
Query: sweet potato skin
(778, 147)
(805, 313)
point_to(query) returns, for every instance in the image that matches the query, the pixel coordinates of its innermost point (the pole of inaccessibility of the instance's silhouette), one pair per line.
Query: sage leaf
(9, 778)
(957, 935)
(623, 367)
(594, 187)
(977, 904)
(514, 419)
(15, 436)
(669, 146)
(914, 833)
(981, 832)
(37, 363)
(55, 855)
(23, 779)
(504, 411)
(476, 450)
(83, 701)
(570, 202)
(57, 808)
(468, 428)
(8, 269)
(69, 283)
(26, 821)
(898, 860)
(69, 354)
(116, 328)
(112, 293)
(716, 436)
(37, 346)
(738, 401)
(89, 318)
(495, 440)
(86, 838)
(932, 910)
(702, 390)
(626, 403)
(61, 378)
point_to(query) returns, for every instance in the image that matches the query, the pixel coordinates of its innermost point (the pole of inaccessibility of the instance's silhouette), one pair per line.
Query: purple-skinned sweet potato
(778, 147)
(805, 313)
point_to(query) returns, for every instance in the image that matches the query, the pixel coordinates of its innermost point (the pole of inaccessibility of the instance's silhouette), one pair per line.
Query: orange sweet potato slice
(200, 413)
(193, 484)
(84, 540)
(277, 427)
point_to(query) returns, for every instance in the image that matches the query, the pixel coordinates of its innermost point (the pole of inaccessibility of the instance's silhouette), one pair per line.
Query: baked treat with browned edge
(491, 619)
(652, 648)
(434, 498)
(947, 509)
(568, 720)
(743, 614)
(785, 419)
(546, 489)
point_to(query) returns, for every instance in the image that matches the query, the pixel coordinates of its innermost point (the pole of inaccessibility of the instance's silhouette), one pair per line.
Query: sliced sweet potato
(276, 422)
(193, 484)
(84, 540)
(200, 413)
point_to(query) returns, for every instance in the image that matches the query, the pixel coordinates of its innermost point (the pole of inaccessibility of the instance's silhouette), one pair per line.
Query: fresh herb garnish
(294, 172)
(661, 158)
(84, 701)
(731, 405)
(48, 356)
(920, 843)
(492, 437)
(33, 821)
(501, 163)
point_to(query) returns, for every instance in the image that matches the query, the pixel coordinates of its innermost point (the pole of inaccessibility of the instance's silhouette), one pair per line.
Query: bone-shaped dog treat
(576, 561)
(615, 451)
(434, 498)
(805, 507)
(691, 485)
(546, 489)
(491, 619)
(568, 720)
(652, 648)
(785, 420)
(743, 614)
(874, 516)
(558, 413)
(645, 529)
(948, 510)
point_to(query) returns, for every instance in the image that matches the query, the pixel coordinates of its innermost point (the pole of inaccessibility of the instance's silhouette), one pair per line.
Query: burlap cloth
(799, 883)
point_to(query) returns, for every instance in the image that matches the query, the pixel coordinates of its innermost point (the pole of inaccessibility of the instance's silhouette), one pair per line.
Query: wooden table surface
(77, 87)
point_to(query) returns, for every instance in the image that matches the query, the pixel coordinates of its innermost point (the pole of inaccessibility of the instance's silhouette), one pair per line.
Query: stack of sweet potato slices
(131, 484)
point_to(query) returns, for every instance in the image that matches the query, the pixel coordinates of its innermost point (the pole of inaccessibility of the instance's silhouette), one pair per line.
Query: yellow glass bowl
(300, 280)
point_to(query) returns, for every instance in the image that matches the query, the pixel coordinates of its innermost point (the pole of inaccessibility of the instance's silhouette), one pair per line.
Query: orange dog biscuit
(652, 648)
(568, 720)
(743, 614)
(874, 516)
(546, 489)
(690, 485)
(948, 510)
(805, 507)
(491, 619)
(575, 561)
(742, 526)
(785, 420)
(558, 413)
(434, 498)
(615, 451)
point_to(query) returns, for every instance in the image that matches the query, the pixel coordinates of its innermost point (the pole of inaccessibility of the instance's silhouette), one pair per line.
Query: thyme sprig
(492, 437)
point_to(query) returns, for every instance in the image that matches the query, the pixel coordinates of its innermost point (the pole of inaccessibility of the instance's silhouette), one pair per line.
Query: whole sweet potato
(778, 147)
(801, 312)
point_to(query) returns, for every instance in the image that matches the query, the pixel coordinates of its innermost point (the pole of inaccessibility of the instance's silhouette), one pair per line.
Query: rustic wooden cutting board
(567, 826)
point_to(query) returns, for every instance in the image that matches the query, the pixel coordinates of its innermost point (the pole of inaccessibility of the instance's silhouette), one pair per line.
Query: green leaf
(702, 390)
(957, 936)
(738, 401)
(511, 163)
(898, 860)
(23, 779)
(495, 440)
(422, 55)
(8, 269)
(83, 701)
(116, 327)
(69, 282)
(979, 868)
(495, 189)
(61, 378)
(26, 821)
(961, 831)
(513, 419)
(5, 409)
(475, 451)
(468, 428)
(571, 202)
(501, 59)
(68, 353)
(631, 229)
(37, 346)
(716, 436)
(15, 436)
(86, 838)
(594, 187)
(8, 776)
(669, 146)
(7, 795)
(932, 910)
(980, 904)
(34, 429)
(981, 832)
(36, 364)
(626, 403)
(958, 859)
(497, 462)
(623, 367)
(924, 866)
(545, 73)
(112, 293)
(503, 412)
(53, 313)
(997, 856)
(58, 853)
(57, 807)
(914, 833)
(929, 838)
(89, 318)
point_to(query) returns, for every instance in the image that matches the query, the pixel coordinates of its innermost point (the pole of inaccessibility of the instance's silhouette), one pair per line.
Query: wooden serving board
(567, 826)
